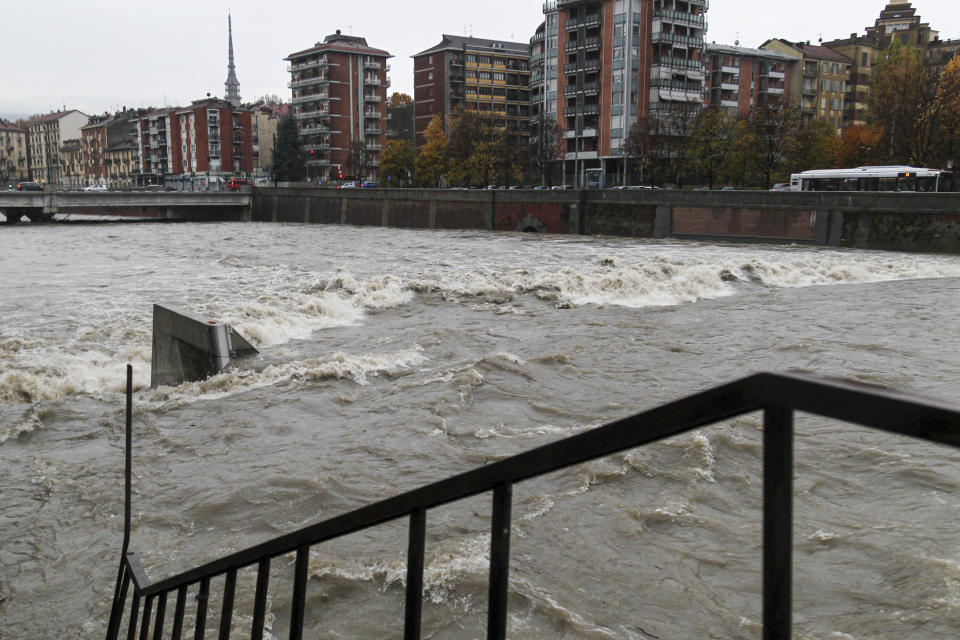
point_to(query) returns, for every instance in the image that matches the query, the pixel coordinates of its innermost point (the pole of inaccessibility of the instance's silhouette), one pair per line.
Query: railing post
(119, 599)
(298, 606)
(777, 522)
(226, 612)
(178, 613)
(415, 551)
(260, 600)
(499, 562)
(203, 598)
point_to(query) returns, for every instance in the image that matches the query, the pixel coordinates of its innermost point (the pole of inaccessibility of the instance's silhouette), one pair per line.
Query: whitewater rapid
(392, 358)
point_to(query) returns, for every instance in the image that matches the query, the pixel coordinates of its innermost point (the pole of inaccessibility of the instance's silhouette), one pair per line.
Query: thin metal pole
(127, 492)
(777, 522)
(415, 552)
(119, 599)
(499, 562)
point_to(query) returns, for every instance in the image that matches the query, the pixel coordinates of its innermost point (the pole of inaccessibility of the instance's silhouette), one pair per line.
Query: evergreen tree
(288, 158)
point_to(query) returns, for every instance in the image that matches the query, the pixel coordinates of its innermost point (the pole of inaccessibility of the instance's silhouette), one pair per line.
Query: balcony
(586, 109)
(317, 146)
(314, 129)
(371, 81)
(321, 63)
(373, 131)
(369, 64)
(308, 82)
(590, 87)
(373, 146)
(681, 17)
(660, 37)
(369, 97)
(310, 97)
(317, 113)
(372, 114)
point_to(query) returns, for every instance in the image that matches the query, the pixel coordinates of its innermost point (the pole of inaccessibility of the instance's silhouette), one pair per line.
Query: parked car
(96, 187)
(236, 183)
(29, 186)
(781, 186)
(368, 185)
(348, 185)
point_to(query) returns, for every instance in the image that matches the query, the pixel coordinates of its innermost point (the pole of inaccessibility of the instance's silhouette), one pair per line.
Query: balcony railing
(313, 64)
(369, 97)
(778, 396)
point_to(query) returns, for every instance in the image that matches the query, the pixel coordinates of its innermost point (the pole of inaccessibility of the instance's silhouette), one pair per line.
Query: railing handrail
(777, 394)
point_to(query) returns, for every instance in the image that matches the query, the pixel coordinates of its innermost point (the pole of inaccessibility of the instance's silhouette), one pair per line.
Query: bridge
(42, 206)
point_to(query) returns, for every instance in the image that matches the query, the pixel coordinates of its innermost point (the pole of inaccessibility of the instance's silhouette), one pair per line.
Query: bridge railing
(778, 396)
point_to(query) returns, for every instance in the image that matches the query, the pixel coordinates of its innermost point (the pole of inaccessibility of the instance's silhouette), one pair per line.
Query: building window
(429, 59)
(430, 76)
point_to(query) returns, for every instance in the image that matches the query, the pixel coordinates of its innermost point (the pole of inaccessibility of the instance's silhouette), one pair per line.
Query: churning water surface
(392, 358)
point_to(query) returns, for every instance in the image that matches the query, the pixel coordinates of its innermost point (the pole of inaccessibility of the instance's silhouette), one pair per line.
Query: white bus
(894, 178)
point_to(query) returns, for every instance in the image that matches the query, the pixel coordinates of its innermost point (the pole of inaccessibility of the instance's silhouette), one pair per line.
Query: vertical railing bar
(226, 613)
(298, 606)
(202, 597)
(178, 612)
(119, 599)
(128, 464)
(777, 522)
(499, 562)
(145, 623)
(260, 600)
(415, 552)
(161, 614)
(134, 614)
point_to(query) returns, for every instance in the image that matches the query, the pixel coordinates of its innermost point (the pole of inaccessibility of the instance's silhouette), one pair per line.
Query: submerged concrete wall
(891, 221)
(188, 346)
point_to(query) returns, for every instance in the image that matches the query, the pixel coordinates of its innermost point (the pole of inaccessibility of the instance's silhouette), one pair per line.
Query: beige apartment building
(13, 154)
(47, 135)
(819, 83)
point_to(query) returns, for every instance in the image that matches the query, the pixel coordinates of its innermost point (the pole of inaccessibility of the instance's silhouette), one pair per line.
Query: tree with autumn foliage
(859, 147)
(431, 162)
(398, 99)
(397, 162)
(902, 92)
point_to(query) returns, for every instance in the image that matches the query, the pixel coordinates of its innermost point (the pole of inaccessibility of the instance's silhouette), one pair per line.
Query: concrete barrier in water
(188, 346)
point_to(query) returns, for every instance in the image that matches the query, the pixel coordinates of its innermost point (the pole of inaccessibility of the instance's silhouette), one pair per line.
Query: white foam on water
(357, 368)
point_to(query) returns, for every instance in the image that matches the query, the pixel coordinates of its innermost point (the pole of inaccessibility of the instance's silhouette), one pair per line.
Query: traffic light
(311, 153)
(341, 175)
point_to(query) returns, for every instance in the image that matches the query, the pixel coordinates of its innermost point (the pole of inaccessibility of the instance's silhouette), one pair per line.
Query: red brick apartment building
(601, 66)
(339, 100)
(744, 80)
(210, 138)
(489, 77)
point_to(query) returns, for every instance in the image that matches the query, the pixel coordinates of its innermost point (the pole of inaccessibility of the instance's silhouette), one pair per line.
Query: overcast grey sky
(101, 55)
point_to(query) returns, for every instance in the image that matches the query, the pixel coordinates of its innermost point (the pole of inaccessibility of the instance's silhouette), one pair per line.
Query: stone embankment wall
(890, 221)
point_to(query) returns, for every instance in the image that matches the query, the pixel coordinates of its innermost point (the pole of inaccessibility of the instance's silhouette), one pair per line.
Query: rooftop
(460, 43)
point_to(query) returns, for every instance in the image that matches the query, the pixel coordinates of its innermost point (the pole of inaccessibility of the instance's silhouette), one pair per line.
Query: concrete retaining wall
(890, 221)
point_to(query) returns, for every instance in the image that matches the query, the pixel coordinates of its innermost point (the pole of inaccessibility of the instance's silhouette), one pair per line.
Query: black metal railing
(778, 396)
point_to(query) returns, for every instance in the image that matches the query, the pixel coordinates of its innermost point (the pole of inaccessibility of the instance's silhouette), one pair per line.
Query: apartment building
(13, 153)
(744, 80)
(122, 164)
(488, 77)
(72, 169)
(899, 20)
(47, 135)
(211, 140)
(103, 133)
(862, 52)
(603, 66)
(819, 83)
(339, 89)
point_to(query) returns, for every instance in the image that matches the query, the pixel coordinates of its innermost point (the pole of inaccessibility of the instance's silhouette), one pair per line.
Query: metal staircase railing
(778, 396)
